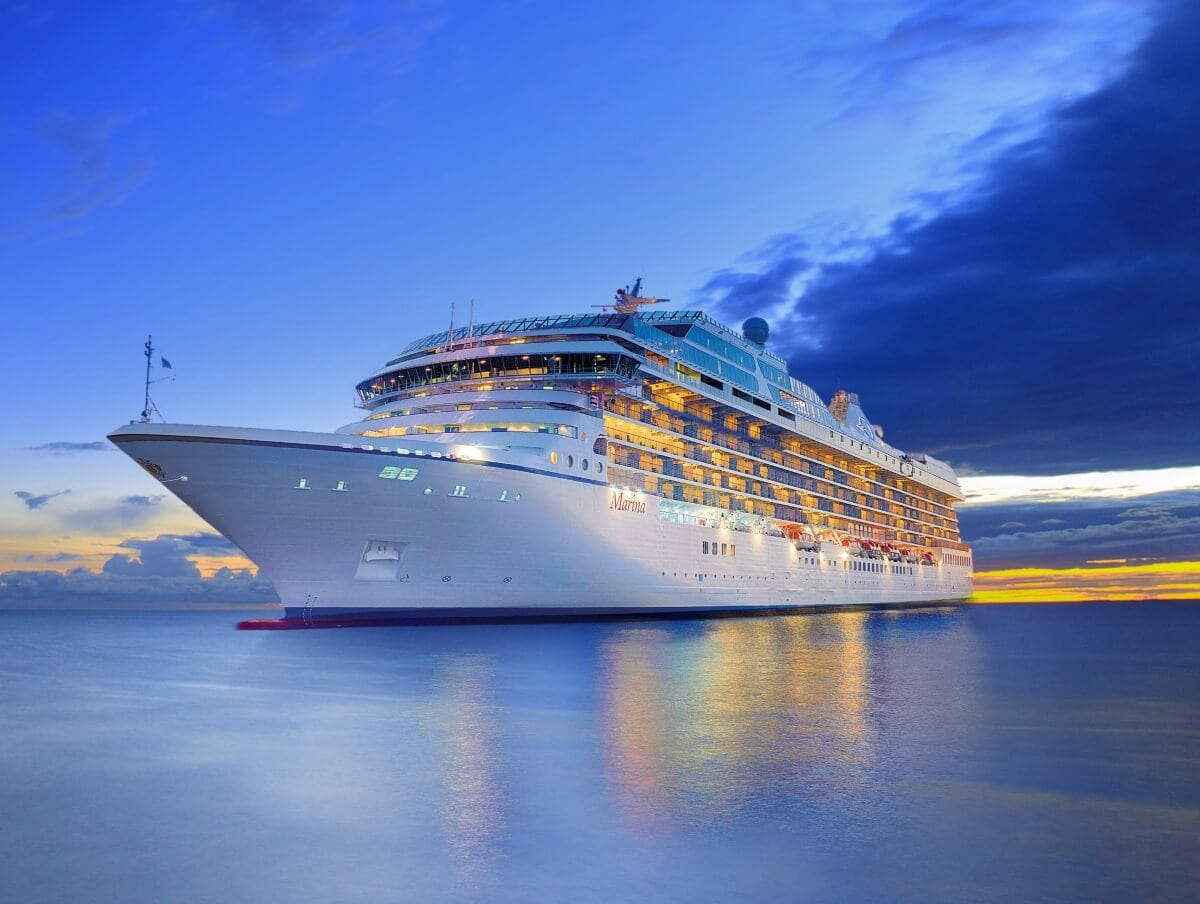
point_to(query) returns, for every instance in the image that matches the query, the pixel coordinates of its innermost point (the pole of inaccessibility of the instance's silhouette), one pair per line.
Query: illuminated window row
(511, 427)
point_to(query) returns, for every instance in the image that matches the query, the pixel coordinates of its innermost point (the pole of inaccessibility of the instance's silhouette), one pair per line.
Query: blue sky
(952, 208)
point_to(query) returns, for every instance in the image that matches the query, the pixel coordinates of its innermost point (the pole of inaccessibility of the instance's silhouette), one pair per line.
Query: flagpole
(146, 400)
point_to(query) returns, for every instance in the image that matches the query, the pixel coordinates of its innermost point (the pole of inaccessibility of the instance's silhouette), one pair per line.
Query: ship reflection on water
(986, 753)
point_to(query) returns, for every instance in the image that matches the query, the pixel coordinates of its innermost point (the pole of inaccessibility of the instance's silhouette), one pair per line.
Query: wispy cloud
(92, 176)
(57, 557)
(300, 37)
(33, 501)
(75, 165)
(115, 515)
(68, 448)
(902, 56)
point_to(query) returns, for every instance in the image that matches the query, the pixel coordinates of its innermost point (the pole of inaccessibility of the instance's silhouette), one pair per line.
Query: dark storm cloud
(157, 573)
(1163, 527)
(65, 448)
(33, 501)
(1046, 320)
(745, 294)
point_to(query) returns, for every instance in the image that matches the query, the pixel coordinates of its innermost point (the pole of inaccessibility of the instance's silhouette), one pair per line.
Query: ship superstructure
(620, 461)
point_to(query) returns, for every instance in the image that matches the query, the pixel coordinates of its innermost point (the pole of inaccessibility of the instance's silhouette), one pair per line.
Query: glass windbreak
(497, 367)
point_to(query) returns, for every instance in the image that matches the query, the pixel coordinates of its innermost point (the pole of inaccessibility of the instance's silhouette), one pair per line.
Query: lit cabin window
(553, 458)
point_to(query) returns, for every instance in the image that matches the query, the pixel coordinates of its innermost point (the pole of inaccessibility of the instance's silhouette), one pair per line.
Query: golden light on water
(679, 718)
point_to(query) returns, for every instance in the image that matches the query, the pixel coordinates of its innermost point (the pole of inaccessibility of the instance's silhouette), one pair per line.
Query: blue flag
(166, 363)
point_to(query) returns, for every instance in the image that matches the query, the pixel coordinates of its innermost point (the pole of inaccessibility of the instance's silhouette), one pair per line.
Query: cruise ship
(622, 462)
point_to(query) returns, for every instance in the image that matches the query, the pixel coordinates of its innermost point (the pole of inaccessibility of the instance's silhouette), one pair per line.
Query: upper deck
(618, 350)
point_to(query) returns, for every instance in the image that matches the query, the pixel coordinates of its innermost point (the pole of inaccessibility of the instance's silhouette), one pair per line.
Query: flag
(166, 363)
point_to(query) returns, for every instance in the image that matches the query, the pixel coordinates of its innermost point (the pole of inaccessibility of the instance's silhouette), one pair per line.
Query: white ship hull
(504, 536)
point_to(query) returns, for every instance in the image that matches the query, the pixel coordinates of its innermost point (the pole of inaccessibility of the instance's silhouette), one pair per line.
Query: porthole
(570, 461)
(553, 458)
(599, 467)
(586, 464)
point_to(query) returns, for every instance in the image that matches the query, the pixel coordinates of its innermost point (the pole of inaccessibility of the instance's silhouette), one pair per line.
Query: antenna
(471, 324)
(450, 335)
(628, 300)
(148, 406)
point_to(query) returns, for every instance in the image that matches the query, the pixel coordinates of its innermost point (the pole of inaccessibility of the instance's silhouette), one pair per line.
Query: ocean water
(992, 753)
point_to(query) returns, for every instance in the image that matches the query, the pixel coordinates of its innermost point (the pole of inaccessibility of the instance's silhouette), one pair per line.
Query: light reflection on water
(953, 754)
(695, 731)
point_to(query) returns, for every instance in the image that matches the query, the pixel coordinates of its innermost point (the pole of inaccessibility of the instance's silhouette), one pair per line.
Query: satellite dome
(756, 330)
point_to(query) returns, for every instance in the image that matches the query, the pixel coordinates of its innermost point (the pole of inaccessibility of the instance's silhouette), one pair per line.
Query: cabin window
(704, 547)
(553, 458)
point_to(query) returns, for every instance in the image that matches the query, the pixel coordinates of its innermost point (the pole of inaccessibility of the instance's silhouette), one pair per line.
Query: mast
(146, 398)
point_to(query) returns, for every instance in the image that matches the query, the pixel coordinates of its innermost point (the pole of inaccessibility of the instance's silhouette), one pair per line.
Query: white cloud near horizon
(993, 490)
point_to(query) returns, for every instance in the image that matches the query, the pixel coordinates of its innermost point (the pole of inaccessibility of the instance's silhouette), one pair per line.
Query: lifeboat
(802, 537)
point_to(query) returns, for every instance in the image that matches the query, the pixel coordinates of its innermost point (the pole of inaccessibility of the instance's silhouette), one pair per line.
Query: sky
(983, 217)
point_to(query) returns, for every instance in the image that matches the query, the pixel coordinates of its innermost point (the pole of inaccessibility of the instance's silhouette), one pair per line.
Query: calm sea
(999, 753)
